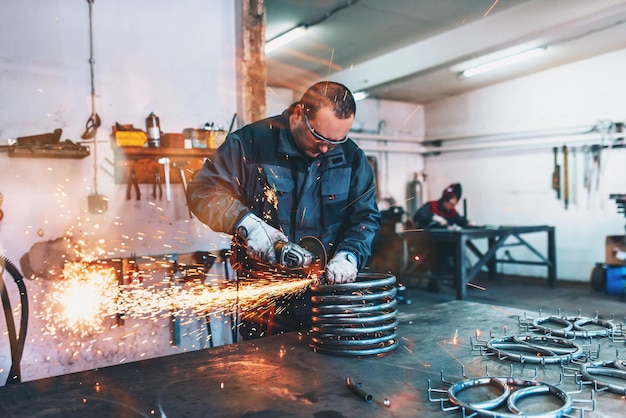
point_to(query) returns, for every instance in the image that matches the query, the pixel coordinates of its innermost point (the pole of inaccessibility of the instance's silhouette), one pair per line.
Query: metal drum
(355, 319)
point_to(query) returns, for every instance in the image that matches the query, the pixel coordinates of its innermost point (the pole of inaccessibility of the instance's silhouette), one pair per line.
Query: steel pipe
(358, 391)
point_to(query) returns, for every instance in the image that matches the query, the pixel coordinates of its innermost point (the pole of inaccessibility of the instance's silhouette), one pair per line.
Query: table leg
(491, 264)
(459, 267)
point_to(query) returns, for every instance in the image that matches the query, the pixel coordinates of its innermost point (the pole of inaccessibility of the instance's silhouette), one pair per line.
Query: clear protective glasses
(322, 137)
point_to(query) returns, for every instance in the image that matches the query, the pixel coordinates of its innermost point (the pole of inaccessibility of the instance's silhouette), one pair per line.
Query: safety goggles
(321, 137)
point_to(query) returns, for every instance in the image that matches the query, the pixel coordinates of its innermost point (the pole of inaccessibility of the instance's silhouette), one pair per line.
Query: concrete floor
(529, 294)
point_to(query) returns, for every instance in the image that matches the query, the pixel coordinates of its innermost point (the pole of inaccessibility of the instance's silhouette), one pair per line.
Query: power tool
(304, 259)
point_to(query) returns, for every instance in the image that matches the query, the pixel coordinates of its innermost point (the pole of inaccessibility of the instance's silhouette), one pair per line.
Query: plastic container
(615, 279)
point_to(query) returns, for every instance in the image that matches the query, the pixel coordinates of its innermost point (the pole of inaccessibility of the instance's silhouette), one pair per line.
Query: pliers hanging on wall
(132, 184)
(157, 185)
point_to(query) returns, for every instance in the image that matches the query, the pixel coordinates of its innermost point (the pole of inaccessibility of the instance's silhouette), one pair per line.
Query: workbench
(497, 237)
(281, 376)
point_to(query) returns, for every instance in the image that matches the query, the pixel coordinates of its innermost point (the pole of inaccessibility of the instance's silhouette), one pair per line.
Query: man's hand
(341, 269)
(261, 237)
(440, 220)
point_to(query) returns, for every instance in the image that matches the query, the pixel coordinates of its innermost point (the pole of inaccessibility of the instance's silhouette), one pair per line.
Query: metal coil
(355, 319)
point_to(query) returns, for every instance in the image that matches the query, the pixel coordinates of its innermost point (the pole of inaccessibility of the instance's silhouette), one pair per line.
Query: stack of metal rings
(355, 319)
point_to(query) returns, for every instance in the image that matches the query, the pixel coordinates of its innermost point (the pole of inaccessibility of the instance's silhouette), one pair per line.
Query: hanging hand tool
(157, 184)
(574, 181)
(166, 169)
(556, 175)
(183, 179)
(132, 184)
(565, 178)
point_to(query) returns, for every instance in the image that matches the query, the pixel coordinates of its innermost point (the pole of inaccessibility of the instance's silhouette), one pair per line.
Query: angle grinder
(301, 260)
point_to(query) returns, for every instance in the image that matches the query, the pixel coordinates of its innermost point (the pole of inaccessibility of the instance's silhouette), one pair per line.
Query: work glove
(261, 238)
(440, 220)
(342, 268)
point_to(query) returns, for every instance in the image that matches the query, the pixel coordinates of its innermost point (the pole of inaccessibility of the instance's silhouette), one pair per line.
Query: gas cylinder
(154, 130)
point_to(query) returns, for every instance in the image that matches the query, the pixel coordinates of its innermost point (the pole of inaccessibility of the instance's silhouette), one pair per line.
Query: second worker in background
(290, 176)
(441, 213)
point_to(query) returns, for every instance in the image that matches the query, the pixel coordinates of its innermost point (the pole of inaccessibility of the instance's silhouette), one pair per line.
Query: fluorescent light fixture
(360, 95)
(503, 62)
(284, 39)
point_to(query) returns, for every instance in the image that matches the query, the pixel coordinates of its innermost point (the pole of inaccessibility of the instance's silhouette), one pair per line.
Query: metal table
(282, 376)
(497, 237)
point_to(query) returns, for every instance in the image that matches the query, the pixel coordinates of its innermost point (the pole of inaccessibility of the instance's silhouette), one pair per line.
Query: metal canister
(154, 130)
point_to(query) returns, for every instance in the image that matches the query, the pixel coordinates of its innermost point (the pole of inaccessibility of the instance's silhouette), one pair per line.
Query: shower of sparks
(330, 63)
(371, 189)
(451, 355)
(497, 308)
(476, 286)
(271, 196)
(89, 294)
(79, 303)
(411, 115)
(491, 8)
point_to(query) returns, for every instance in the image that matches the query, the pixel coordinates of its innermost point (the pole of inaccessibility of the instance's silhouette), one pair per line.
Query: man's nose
(323, 148)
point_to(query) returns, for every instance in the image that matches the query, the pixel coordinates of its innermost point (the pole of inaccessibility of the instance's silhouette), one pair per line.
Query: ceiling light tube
(502, 62)
(284, 39)
(360, 95)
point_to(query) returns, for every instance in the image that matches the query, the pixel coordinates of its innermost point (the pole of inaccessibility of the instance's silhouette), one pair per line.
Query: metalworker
(294, 175)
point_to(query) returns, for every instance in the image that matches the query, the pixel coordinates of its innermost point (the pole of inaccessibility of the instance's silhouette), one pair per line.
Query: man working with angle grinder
(279, 181)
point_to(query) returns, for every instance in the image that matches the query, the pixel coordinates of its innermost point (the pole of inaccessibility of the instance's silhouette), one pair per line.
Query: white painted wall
(513, 186)
(176, 58)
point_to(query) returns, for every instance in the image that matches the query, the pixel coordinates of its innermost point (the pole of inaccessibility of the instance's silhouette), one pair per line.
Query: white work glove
(619, 254)
(440, 220)
(261, 237)
(342, 268)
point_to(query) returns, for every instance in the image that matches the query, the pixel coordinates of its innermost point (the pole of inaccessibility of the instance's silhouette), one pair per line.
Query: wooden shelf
(143, 161)
(134, 153)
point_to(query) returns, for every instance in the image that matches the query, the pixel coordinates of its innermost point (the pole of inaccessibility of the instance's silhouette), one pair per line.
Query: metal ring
(351, 330)
(567, 325)
(462, 385)
(333, 341)
(387, 292)
(591, 371)
(575, 327)
(382, 349)
(609, 327)
(350, 318)
(363, 281)
(541, 389)
(543, 349)
(364, 307)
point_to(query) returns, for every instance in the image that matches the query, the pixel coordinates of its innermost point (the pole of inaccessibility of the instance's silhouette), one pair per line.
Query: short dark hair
(329, 94)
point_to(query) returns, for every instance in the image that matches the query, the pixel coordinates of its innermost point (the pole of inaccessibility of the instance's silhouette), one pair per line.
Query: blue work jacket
(259, 169)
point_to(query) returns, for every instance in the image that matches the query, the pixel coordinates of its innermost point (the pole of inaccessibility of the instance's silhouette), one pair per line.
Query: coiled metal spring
(355, 319)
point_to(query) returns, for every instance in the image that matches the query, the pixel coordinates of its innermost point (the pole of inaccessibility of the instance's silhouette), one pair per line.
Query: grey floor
(530, 294)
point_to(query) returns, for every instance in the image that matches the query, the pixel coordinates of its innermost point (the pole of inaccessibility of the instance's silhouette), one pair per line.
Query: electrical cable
(16, 341)
(317, 21)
